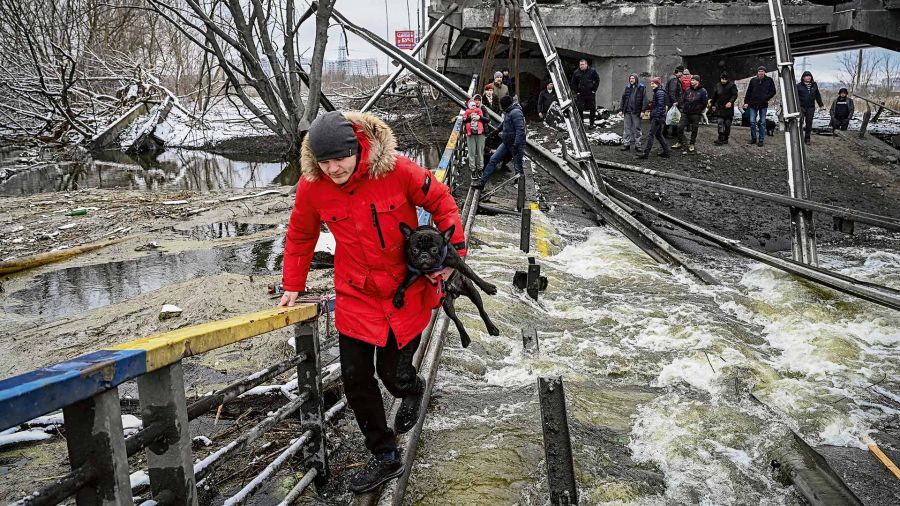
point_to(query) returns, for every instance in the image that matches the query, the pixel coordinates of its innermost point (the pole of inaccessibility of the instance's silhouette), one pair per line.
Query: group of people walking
(684, 92)
(675, 108)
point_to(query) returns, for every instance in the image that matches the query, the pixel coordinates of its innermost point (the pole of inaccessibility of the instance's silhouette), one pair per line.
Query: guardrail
(86, 389)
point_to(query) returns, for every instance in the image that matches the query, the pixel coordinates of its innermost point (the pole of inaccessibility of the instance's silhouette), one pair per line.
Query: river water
(655, 367)
(655, 364)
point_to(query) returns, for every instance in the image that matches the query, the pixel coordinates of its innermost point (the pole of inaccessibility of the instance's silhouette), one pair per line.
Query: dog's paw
(490, 289)
(493, 330)
(398, 301)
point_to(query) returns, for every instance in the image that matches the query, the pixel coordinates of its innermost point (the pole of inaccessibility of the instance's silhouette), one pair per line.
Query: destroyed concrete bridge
(650, 39)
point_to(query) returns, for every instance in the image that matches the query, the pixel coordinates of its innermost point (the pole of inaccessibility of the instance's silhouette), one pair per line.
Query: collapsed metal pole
(803, 234)
(571, 114)
(882, 295)
(876, 220)
(424, 40)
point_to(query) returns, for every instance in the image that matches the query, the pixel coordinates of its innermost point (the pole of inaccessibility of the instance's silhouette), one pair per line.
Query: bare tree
(255, 44)
(858, 69)
(890, 71)
(67, 68)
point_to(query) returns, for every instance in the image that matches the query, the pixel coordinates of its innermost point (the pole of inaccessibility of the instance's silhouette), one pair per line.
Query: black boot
(626, 148)
(408, 414)
(379, 469)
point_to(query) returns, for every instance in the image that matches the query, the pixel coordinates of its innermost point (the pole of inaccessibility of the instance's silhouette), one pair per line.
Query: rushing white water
(656, 367)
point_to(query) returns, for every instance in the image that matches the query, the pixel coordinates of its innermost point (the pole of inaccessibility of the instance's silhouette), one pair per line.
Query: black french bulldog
(428, 250)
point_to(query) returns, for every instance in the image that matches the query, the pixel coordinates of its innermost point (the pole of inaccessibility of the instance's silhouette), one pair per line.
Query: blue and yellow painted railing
(85, 388)
(442, 172)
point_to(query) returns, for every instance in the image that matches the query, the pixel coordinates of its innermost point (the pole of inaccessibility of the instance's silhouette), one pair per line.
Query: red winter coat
(364, 215)
(685, 82)
(474, 127)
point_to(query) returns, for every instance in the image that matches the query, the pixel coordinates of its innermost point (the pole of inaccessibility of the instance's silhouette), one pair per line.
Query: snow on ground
(23, 436)
(221, 122)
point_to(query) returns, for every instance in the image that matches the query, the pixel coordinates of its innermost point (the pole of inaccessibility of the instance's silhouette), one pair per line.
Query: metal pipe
(803, 233)
(876, 220)
(879, 104)
(634, 230)
(214, 460)
(296, 445)
(869, 291)
(424, 40)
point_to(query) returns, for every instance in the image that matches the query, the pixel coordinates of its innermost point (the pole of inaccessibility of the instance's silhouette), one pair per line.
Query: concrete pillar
(170, 459)
(94, 436)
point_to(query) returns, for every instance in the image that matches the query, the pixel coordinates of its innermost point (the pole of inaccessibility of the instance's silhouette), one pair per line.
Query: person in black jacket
(513, 138)
(633, 100)
(808, 95)
(722, 106)
(545, 100)
(760, 90)
(585, 82)
(657, 108)
(694, 102)
(842, 110)
(674, 90)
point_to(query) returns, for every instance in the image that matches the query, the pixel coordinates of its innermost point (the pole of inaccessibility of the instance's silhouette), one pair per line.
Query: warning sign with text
(405, 39)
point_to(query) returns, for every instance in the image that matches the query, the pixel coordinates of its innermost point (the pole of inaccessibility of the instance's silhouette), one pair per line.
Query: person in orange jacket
(354, 182)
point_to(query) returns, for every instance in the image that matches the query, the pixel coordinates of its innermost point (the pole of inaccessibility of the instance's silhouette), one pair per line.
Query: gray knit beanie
(331, 136)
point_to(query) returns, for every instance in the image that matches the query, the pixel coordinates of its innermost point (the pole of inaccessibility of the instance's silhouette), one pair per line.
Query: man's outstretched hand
(288, 299)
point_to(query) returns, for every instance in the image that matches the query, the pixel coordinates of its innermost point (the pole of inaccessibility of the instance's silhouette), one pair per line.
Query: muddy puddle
(228, 229)
(74, 290)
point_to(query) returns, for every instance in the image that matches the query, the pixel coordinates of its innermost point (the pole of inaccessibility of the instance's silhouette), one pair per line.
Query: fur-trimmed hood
(378, 147)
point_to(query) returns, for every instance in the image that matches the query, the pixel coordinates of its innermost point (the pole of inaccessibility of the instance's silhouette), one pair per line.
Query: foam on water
(613, 320)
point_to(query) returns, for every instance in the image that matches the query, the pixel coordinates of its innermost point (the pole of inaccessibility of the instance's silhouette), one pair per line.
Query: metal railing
(86, 388)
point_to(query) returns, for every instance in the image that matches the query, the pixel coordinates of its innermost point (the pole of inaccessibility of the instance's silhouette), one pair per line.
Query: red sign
(405, 39)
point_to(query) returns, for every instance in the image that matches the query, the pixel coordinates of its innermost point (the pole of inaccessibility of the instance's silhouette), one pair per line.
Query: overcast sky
(371, 14)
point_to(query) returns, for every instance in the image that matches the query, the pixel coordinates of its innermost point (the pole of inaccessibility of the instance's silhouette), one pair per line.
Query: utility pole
(803, 235)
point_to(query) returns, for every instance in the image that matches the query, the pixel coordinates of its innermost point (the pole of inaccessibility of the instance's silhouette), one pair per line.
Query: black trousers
(689, 120)
(587, 103)
(807, 113)
(724, 127)
(656, 128)
(839, 122)
(359, 362)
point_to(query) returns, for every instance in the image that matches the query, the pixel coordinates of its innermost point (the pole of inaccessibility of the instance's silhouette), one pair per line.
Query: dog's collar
(440, 265)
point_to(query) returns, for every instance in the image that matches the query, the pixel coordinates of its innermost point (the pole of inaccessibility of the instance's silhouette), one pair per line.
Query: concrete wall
(648, 40)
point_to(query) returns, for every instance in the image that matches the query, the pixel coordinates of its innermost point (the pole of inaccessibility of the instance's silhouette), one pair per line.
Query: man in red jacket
(354, 181)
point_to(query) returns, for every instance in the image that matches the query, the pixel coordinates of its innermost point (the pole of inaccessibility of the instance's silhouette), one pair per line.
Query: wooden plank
(168, 348)
(48, 389)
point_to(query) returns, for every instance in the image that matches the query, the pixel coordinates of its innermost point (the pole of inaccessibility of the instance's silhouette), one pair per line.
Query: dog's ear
(406, 230)
(448, 234)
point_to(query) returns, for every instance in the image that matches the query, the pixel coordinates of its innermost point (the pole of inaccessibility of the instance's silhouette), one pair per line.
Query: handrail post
(309, 379)
(169, 458)
(94, 437)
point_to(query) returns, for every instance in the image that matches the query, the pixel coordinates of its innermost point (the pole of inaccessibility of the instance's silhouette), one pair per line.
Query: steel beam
(885, 296)
(557, 443)
(309, 381)
(169, 458)
(803, 234)
(876, 220)
(525, 230)
(94, 437)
